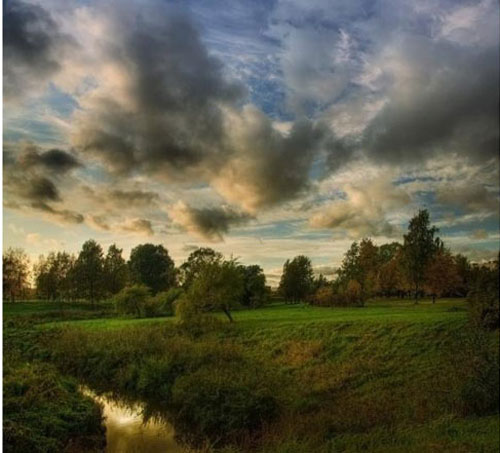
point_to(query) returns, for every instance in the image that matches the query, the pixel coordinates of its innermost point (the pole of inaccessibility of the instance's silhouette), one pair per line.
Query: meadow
(391, 376)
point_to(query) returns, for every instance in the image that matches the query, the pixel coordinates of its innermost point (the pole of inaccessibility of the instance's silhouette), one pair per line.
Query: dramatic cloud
(268, 167)
(159, 108)
(207, 223)
(54, 160)
(33, 48)
(443, 99)
(469, 197)
(364, 210)
(27, 187)
(141, 226)
(113, 199)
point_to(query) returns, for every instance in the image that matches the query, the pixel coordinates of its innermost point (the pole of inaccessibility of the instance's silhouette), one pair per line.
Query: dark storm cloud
(177, 117)
(269, 168)
(40, 188)
(172, 118)
(63, 215)
(209, 223)
(129, 198)
(470, 197)
(32, 47)
(54, 160)
(448, 105)
(27, 186)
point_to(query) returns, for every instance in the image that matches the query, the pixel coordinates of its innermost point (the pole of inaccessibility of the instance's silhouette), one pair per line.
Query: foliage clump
(483, 298)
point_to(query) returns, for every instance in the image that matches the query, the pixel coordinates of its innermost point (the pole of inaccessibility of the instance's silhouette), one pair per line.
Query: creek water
(127, 432)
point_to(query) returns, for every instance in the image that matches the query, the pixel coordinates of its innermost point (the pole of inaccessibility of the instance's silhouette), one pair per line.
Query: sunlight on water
(126, 432)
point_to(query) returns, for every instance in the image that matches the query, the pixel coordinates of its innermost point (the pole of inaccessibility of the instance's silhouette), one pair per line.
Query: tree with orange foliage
(441, 275)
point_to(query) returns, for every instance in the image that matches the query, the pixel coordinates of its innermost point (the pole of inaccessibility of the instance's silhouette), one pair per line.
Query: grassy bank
(388, 377)
(43, 410)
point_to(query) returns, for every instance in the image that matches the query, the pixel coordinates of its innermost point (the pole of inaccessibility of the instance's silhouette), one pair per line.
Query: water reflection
(127, 433)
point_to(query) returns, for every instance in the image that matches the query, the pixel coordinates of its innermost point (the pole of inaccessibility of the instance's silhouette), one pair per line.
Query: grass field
(389, 377)
(273, 316)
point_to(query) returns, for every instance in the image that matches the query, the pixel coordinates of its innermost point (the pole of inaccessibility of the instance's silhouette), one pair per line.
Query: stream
(126, 431)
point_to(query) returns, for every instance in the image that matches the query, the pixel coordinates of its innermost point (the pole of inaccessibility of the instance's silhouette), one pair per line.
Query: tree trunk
(433, 298)
(416, 294)
(226, 311)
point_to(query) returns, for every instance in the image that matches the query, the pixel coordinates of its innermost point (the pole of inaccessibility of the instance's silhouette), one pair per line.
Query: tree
(152, 266)
(349, 269)
(218, 286)
(391, 277)
(386, 252)
(89, 271)
(254, 286)
(190, 269)
(463, 268)
(53, 276)
(441, 275)
(297, 279)
(16, 273)
(419, 247)
(115, 270)
(369, 265)
(354, 293)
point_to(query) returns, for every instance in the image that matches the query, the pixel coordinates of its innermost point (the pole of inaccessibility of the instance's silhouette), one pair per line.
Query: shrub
(44, 411)
(477, 366)
(132, 300)
(219, 407)
(483, 298)
(150, 308)
(324, 297)
(166, 300)
(354, 293)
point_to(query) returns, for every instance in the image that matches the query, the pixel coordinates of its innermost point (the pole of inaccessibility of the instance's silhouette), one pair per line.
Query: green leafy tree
(152, 266)
(464, 274)
(115, 270)
(54, 276)
(420, 246)
(16, 273)
(255, 292)
(297, 279)
(387, 252)
(217, 287)
(197, 259)
(89, 271)
(350, 269)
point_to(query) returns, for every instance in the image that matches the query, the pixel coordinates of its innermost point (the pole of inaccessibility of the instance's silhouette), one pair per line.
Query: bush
(336, 296)
(483, 298)
(219, 407)
(132, 300)
(150, 308)
(44, 411)
(477, 365)
(166, 300)
(354, 293)
(323, 297)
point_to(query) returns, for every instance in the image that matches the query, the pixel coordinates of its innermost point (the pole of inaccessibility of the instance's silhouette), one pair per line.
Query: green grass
(388, 377)
(283, 314)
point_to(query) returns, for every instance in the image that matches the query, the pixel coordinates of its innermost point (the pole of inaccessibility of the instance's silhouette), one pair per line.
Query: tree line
(149, 282)
(420, 266)
(93, 275)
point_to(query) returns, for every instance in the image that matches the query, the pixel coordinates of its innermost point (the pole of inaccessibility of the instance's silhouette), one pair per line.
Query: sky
(263, 129)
